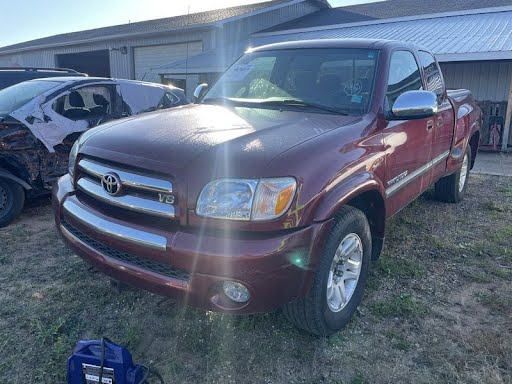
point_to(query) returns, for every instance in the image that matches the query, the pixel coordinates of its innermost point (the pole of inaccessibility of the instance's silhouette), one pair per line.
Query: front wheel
(340, 278)
(452, 188)
(12, 199)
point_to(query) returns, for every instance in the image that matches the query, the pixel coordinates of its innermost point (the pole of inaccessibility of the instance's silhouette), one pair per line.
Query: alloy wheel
(463, 173)
(344, 273)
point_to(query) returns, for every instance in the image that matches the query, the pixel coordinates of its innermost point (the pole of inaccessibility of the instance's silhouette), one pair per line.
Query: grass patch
(493, 206)
(503, 235)
(399, 306)
(494, 347)
(398, 340)
(495, 302)
(403, 268)
(437, 243)
(358, 379)
(506, 191)
(477, 276)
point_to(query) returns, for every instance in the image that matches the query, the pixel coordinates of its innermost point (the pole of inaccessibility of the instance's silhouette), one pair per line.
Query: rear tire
(12, 199)
(452, 188)
(335, 292)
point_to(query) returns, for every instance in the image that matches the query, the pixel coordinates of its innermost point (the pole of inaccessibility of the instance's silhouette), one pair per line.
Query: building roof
(146, 27)
(454, 36)
(384, 10)
(214, 60)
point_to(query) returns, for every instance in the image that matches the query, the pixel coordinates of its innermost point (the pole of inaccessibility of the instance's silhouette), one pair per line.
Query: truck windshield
(326, 80)
(16, 96)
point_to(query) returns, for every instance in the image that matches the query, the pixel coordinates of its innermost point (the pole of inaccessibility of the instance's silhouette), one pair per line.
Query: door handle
(430, 125)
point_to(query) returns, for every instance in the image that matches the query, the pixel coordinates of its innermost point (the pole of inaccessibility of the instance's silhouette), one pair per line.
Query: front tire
(340, 278)
(12, 199)
(452, 188)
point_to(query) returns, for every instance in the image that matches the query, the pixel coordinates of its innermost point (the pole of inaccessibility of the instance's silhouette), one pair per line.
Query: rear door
(408, 142)
(444, 120)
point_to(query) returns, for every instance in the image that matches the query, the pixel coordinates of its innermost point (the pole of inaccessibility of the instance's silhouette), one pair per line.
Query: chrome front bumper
(117, 231)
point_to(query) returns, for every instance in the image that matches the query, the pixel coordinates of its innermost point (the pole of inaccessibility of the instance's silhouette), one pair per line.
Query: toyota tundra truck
(273, 189)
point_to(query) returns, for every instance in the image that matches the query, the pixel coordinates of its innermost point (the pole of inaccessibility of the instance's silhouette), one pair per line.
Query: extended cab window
(85, 103)
(433, 75)
(404, 75)
(323, 80)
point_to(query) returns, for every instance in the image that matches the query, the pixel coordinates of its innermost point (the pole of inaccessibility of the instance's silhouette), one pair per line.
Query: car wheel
(339, 282)
(12, 198)
(452, 188)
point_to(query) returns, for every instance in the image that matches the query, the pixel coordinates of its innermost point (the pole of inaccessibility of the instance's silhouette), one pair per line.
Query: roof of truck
(334, 43)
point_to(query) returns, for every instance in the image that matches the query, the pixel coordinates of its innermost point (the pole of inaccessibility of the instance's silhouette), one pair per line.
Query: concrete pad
(491, 163)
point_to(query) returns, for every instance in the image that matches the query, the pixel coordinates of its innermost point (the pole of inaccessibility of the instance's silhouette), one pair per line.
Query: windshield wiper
(274, 102)
(302, 103)
(219, 100)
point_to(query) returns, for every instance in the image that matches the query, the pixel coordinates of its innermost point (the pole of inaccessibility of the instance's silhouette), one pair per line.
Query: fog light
(236, 291)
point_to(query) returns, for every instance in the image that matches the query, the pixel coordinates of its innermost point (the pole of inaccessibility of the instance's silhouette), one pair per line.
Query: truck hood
(170, 140)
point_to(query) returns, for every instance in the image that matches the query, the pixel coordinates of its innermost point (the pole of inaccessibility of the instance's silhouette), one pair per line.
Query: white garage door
(146, 58)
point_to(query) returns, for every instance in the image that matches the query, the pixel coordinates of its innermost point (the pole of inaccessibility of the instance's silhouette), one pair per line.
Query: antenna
(186, 56)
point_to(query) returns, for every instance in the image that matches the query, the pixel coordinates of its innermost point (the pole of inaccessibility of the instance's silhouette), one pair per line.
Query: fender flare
(8, 175)
(345, 191)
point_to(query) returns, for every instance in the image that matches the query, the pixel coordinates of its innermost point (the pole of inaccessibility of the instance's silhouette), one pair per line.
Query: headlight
(76, 148)
(72, 157)
(246, 199)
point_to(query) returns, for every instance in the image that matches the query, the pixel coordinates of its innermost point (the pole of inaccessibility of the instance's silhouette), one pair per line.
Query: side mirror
(198, 93)
(412, 105)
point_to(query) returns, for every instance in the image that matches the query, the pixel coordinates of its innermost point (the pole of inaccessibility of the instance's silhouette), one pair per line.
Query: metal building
(131, 50)
(474, 47)
(473, 44)
(471, 38)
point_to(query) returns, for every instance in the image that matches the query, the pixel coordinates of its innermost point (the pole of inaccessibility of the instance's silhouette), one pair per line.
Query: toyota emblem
(111, 184)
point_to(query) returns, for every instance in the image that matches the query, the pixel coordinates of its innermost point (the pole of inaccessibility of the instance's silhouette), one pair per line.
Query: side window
(404, 75)
(168, 100)
(432, 74)
(85, 103)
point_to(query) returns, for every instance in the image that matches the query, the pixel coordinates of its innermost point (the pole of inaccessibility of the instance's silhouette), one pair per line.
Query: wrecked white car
(41, 119)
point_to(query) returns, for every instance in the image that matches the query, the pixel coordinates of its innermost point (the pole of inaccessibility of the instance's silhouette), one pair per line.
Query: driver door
(408, 142)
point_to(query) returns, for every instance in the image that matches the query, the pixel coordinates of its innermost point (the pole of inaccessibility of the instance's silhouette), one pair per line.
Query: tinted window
(16, 96)
(404, 75)
(432, 74)
(338, 79)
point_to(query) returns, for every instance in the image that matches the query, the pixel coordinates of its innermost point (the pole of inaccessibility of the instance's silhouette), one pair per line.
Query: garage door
(146, 58)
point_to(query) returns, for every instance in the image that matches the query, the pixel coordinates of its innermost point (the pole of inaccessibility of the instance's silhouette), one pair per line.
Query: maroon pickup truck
(273, 189)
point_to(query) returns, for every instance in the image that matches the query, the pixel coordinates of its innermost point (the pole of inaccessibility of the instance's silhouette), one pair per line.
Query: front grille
(150, 265)
(137, 191)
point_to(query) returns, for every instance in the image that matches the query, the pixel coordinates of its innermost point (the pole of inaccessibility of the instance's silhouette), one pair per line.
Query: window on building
(404, 75)
(433, 75)
(178, 83)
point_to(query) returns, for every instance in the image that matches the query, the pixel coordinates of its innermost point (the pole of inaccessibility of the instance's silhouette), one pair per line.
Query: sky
(25, 20)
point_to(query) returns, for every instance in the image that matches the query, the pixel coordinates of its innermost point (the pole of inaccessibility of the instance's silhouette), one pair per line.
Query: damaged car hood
(174, 138)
